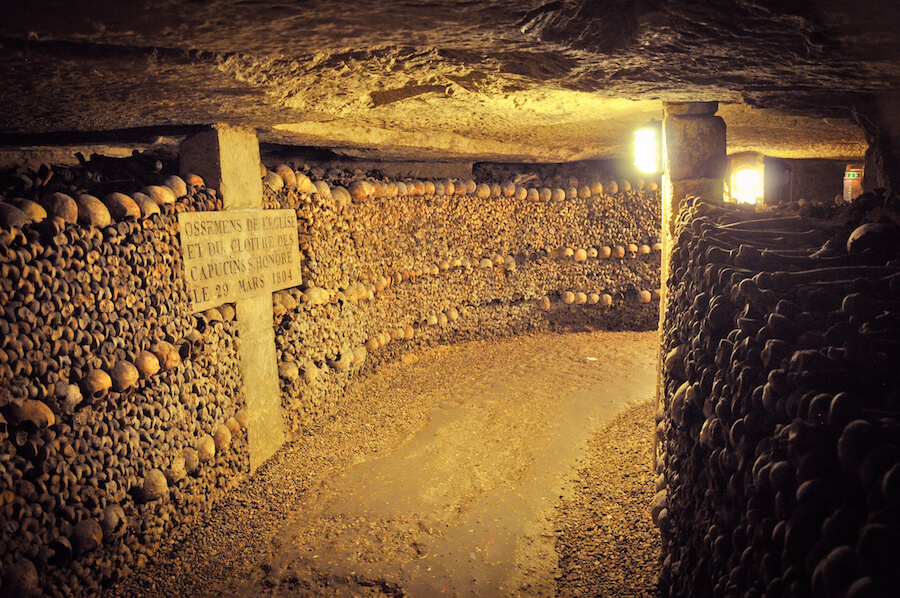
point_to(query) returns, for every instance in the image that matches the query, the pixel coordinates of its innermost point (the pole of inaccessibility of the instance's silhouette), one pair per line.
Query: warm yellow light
(646, 150)
(747, 185)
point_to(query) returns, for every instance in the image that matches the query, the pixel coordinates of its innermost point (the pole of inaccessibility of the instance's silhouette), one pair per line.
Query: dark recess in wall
(559, 173)
(815, 179)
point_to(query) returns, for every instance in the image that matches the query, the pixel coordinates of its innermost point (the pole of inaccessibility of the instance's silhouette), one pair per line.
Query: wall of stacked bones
(394, 266)
(122, 418)
(780, 431)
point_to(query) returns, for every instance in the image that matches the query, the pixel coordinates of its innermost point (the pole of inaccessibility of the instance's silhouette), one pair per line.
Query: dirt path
(447, 488)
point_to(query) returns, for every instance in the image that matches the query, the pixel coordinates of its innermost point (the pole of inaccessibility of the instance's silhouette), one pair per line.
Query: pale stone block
(711, 189)
(690, 108)
(227, 158)
(265, 426)
(695, 147)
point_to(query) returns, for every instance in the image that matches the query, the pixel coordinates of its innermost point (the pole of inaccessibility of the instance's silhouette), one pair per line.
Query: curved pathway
(440, 478)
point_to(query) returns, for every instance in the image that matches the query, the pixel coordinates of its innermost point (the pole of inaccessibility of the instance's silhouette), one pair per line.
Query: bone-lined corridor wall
(121, 413)
(779, 430)
(409, 265)
(122, 417)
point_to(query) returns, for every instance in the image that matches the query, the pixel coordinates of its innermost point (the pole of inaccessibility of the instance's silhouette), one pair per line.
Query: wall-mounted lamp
(747, 182)
(748, 185)
(648, 148)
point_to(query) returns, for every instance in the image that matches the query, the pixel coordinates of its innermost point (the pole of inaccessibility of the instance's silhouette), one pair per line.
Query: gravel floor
(265, 537)
(608, 545)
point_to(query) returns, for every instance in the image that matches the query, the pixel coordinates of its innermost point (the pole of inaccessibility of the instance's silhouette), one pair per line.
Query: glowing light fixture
(748, 185)
(747, 182)
(647, 148)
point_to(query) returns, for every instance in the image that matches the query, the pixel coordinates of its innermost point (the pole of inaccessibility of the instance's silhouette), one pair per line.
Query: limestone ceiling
(496, 79)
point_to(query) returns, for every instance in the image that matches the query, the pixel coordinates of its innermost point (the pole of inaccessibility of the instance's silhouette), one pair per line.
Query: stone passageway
(443, 476)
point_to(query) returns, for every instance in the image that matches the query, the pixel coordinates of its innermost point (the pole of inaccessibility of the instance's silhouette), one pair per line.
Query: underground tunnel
(491, 298)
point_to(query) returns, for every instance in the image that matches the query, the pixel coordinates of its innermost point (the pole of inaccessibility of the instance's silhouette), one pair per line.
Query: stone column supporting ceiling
(493, 80)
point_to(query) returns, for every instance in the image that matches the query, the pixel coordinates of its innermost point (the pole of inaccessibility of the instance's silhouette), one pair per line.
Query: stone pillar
(694, 159)
(694, 163)
(228, 160)
(265, 426)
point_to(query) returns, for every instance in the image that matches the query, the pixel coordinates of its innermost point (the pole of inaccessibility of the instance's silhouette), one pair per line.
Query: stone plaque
(237, 254)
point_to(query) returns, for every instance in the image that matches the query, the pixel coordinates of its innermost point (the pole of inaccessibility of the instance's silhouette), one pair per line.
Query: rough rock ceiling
(494, 79)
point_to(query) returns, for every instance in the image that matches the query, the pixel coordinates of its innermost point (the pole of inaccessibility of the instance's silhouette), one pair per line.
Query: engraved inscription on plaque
(237, 254)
